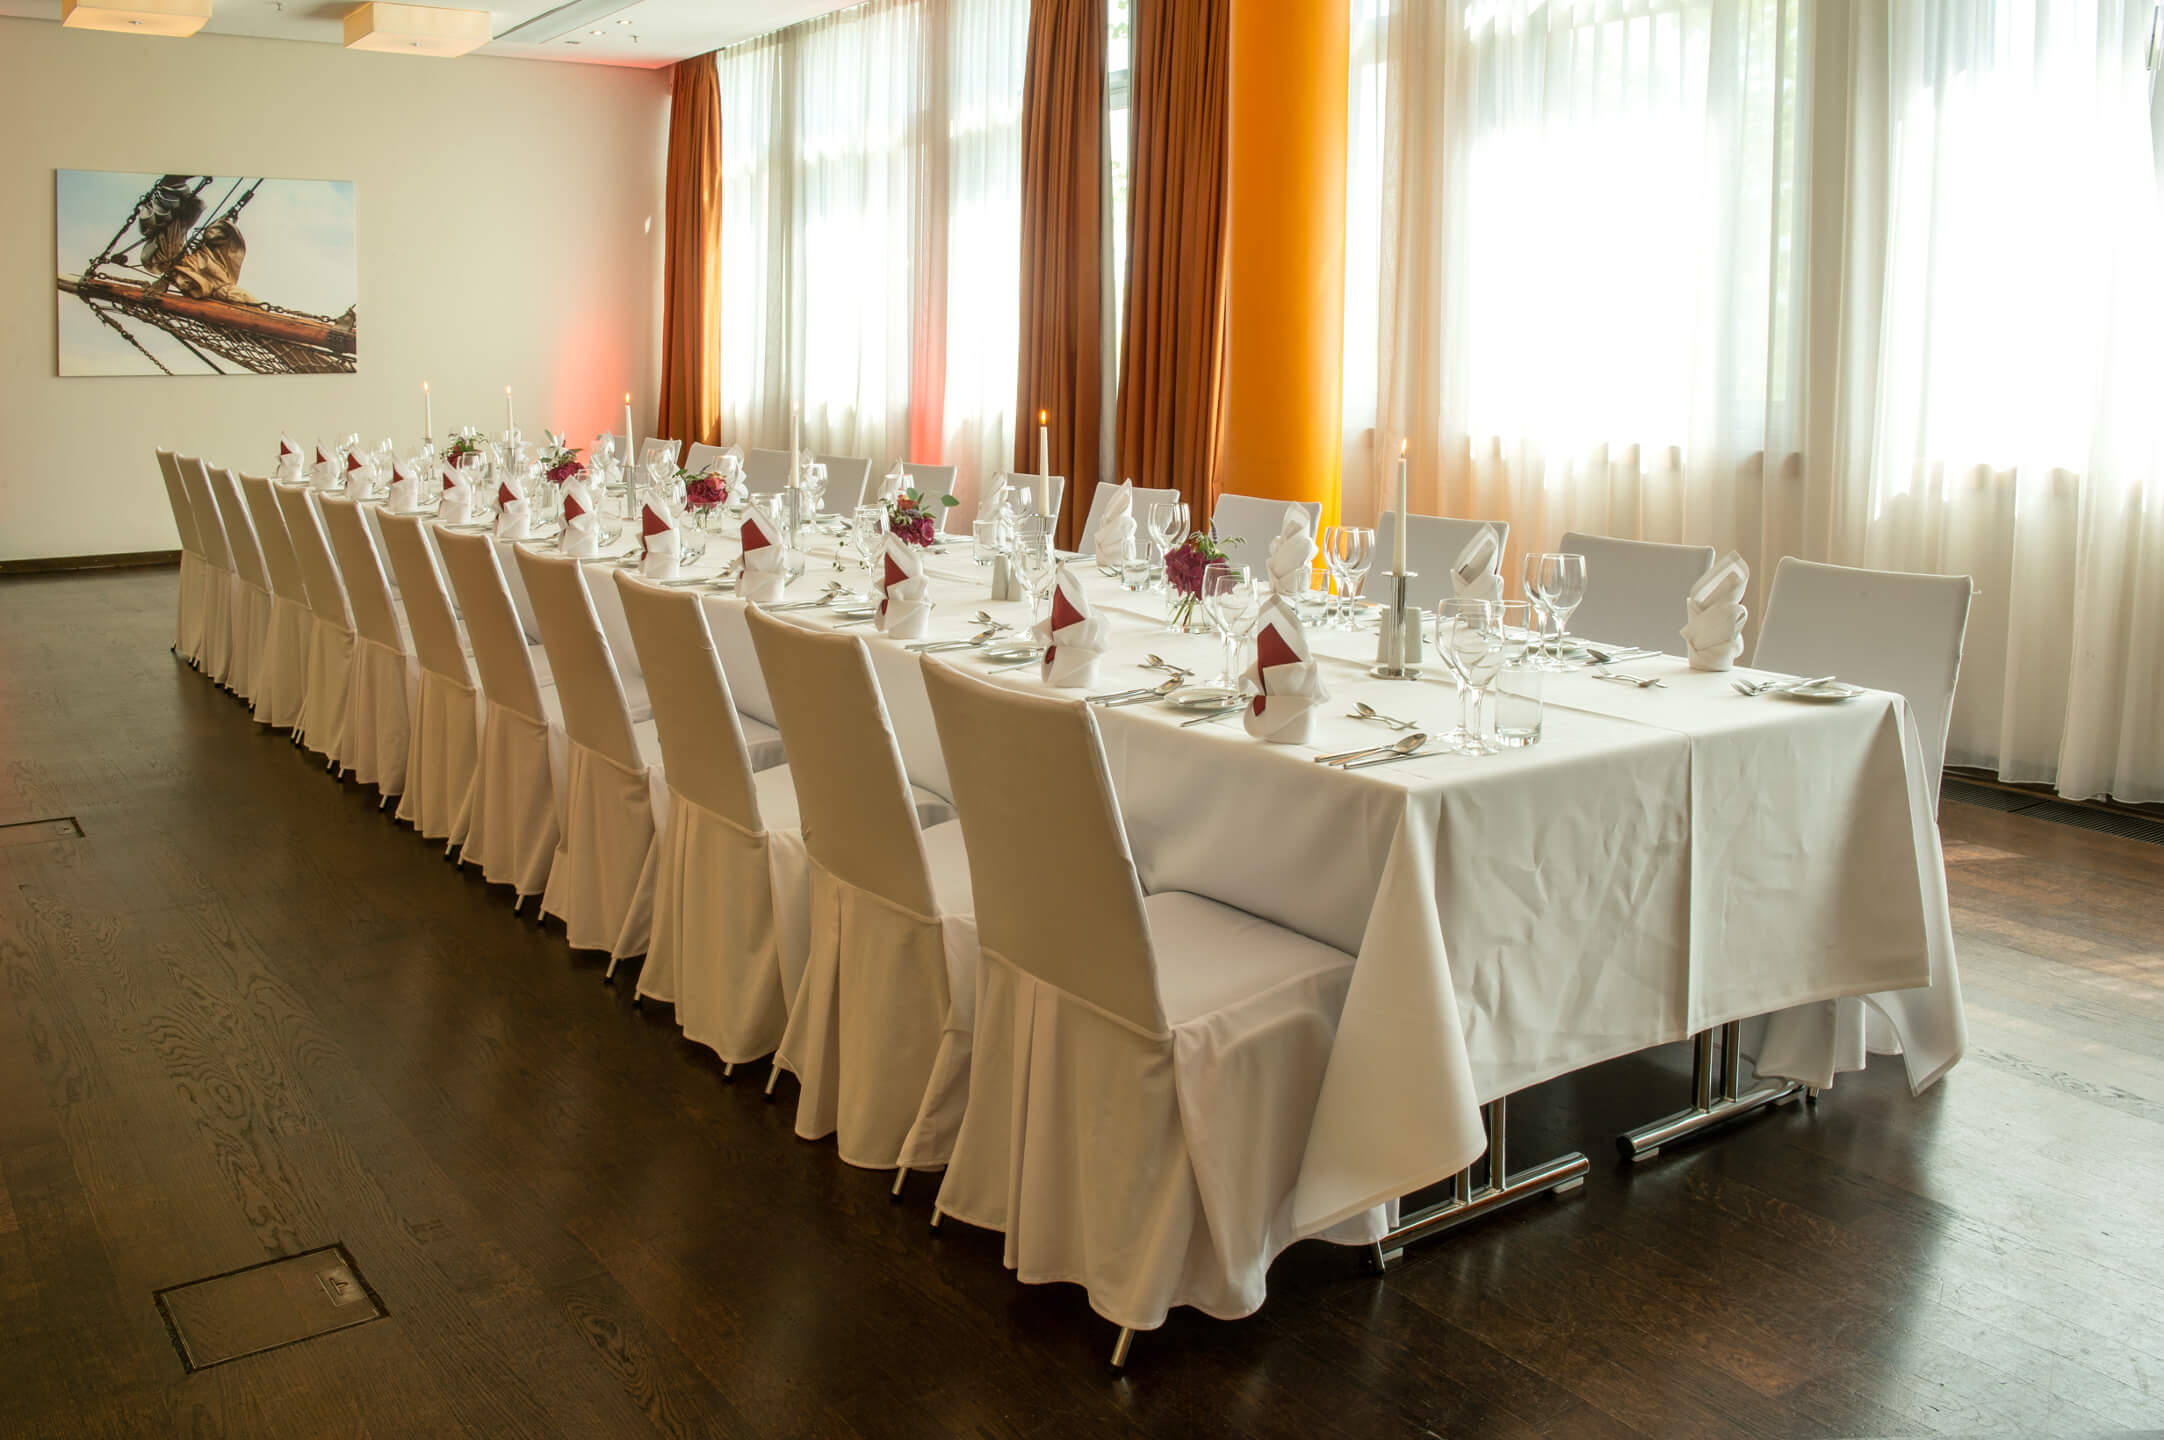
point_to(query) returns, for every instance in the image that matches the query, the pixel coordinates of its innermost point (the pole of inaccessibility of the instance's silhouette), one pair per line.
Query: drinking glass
(1168, 525)
(1557, 581)
(815, 488)
(1233, 604)
(867, 524)
(989, 540)
(1313, 604)
(1033, 562)
(1349, 550)
(1469, 637)
(1518, 700)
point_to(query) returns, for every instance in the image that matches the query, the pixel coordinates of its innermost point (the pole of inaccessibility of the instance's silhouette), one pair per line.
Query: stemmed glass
(815, 488)
(1033, 562)
(1557, 581)
(867, 525)
(1234, 603)
(1469, 637)
(1167, 522)
(1348, 551)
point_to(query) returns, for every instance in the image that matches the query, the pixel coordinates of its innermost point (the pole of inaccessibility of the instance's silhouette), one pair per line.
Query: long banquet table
(1663, 861)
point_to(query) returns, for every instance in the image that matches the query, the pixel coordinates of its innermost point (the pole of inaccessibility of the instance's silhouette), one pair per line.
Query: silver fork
(1643, 682)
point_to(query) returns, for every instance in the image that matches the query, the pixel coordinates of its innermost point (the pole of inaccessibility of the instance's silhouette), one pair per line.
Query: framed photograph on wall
(204, 274)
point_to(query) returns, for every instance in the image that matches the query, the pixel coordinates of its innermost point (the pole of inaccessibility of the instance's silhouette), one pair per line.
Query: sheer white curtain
(871, 217)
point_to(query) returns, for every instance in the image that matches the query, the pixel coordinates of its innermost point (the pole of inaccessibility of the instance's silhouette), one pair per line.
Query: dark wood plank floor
(245, 1015)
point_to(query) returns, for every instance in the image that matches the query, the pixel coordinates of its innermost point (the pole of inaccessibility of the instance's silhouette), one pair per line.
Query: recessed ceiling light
(623, 22)
(597, 32)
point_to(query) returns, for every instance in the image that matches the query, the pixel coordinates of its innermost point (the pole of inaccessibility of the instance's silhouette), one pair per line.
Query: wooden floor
(245, 1015)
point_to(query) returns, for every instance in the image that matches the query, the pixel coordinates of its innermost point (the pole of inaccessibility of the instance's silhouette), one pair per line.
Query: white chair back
(176, 495)
(484, 600)
(1432, 546)
(368, 590)
(326, 592)
(428, 605)
(209, 526)
(239, 529)
(1881, 628)
(766, 471)
(1056, 889)
(699, 455)
(702, 739)
(1635, 589)
(859, 818)
(1246, 524)
(933, 481)
(280, 564)
(847, 477)
(588, 685)
(1145, 497)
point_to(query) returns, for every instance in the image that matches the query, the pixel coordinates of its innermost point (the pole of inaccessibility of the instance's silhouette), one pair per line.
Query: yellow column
(1285, 290)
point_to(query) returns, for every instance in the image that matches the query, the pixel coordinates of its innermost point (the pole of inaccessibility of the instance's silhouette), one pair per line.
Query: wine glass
(1168, 527)
(1231, 601)
(1033, 562)
(867, 526)
(1469, 637)
(1350, 550)
(1557, 581)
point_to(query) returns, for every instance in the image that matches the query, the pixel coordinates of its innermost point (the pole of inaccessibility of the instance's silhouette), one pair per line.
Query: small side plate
(1829, 692)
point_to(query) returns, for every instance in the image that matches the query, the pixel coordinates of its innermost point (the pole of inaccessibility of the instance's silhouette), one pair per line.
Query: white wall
(504, 211)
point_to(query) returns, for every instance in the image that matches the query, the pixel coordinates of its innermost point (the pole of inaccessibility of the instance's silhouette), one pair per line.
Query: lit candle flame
(1042, 415)
(1402, 442)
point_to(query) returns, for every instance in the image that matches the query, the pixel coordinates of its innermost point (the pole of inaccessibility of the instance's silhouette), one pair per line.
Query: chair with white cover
(512, 821)
(188, 613)
(766, 471)
(848, 476)
(1147, 1067)
(215, 659)
(699, 455)
(879, 1028)
(1145, 497)
(379, 698)
(1433, 544)
(330, 637)
(251, 584)
(933, 480)
(282, 676)
(731, 898)
(1246, 524)
(611, 794)
(1635, 590)
(445, 736)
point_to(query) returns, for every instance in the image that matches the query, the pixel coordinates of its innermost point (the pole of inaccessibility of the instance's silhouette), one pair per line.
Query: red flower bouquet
(563, 464)
(704, 492)
(911, 521)
(1184, 565)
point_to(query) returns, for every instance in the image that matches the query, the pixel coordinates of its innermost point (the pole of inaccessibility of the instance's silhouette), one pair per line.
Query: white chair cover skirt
(330, 670)
(378, 715)
(513, 820)
(594, 884)
(282, 677)
(442, 753)
(188, 623)
(215, 657)
(250, 638)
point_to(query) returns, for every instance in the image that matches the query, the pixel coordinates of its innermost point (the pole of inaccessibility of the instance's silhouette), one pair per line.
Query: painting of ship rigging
(204, 274)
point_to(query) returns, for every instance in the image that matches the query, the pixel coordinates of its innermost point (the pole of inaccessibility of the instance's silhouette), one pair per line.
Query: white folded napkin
(1116, 526)
(582, 531)
(513, 518)
(405, 492)
(324, 473)
(360, 476)
(290, 459)
(1292, 554)
(766, 562)
(1713, 629)
(905, 601)
(1074, 637)
(456, 507)
(658, 540)
(992, 504)
(1287, 676)
(1477, 572)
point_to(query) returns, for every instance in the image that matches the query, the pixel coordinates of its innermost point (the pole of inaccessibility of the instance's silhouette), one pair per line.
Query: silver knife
(1393, 759)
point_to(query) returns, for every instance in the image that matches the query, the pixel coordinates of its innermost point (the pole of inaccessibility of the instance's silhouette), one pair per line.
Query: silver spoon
(1158, 662)
(1405, 745)
(1643, 682)
(1137, 697)
(923, 647)
(1363, 711)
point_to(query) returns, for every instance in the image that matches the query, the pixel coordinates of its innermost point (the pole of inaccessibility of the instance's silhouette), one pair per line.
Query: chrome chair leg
(901, 1178)
(1120, 1345)
(773, 1078)
(728, 1070)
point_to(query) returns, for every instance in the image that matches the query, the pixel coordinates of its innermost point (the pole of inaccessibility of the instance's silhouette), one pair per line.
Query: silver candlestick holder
(1397, 650)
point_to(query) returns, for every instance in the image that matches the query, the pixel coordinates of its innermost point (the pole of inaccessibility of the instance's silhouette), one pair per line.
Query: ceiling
(645, 33)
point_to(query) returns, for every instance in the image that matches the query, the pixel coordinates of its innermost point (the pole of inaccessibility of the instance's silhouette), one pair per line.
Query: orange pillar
(1285, 291)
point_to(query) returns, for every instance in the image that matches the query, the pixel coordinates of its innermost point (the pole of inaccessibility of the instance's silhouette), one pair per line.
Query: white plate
(1828, 693)
(1201, 697)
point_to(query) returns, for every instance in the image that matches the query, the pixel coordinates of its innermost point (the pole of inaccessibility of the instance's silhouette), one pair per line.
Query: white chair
(847, 478)
(282, 678)
(512, 822)
(330, 637)
(379, 697)
(1635, 589)
(445, 735)
(766, 471)
(1432, 546)
(1028, 480)
(699, 455)
(1246, 524)
(188, 613)
(1147, 1067)
(611, 793)
(251, 584)
(216, 656)
(879, 1028)
(731, 890)
(1145, 497)
(930, 480)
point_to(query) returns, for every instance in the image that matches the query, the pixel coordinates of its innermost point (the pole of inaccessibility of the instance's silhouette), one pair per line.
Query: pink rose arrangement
(911, 521)
(563, 465)
(466, 442)
(704, 492)
(1184, 565)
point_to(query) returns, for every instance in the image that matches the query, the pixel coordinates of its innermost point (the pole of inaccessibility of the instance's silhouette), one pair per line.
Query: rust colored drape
(1060, 369)
(1172, 359)
(691, 284)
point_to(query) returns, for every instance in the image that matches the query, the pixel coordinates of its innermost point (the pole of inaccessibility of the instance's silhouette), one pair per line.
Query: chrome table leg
(1562, 1175)
(1707, 1108)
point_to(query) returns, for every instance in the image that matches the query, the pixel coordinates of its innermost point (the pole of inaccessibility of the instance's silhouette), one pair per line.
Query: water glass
(867, 526)
(1469, 637)
(988, 540)
(1518, 686)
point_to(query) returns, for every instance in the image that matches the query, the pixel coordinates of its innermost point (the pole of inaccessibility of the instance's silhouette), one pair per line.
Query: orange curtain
(1061, 365)
(1172, 360)
(691, 293)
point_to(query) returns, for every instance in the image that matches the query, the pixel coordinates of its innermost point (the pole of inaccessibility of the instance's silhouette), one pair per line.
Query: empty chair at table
(215, 659)
(879, 1028)
(379, 698)
(1433, 544)
(282, 676)
(1144, 498)
(766, 471)
(930, 481)
(612, 784)
(1635, 590)
(1147, 1065)
(330, 637)
(848, 478)
(443, 741)
(511, 822)
(251, 584)
(1246, 524)
(188, 611)
(700, 457)
(731, 901)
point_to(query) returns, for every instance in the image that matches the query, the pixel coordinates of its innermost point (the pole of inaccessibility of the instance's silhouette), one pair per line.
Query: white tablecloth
(1663, 861)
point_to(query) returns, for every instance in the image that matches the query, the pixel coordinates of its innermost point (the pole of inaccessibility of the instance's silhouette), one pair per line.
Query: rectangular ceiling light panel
(137, 17)
(415, 29)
